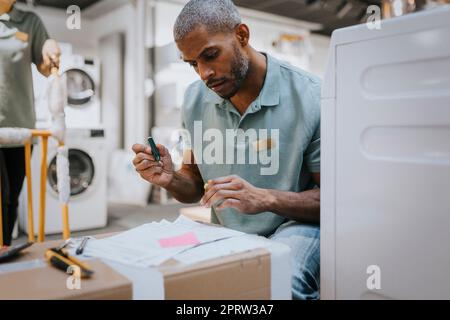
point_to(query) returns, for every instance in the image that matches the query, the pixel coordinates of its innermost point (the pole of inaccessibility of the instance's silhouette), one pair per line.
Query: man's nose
(205, 72)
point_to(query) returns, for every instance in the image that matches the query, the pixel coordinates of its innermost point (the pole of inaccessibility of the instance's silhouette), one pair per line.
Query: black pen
(155, 150)
(82, 245)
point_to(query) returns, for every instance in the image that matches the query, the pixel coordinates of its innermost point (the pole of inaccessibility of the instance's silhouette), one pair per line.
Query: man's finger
(221, 180)
(211, 190)
(154, 171)
(230, 203)
(145, 165)
(221, 195)
(142, 156)
(138, 147)
(162, 150)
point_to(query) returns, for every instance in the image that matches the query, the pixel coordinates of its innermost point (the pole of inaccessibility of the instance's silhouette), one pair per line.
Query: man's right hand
(159, 173)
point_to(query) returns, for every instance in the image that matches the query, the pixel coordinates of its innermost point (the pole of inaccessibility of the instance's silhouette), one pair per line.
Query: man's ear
(242, 34)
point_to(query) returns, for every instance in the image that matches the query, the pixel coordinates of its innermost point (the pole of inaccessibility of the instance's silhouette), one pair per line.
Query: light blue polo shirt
(275, 144)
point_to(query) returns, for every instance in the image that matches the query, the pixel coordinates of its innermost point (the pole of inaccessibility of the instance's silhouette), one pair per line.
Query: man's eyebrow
(201, 54)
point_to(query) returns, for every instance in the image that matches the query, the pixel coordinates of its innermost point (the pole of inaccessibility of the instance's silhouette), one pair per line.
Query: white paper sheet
(141, 247)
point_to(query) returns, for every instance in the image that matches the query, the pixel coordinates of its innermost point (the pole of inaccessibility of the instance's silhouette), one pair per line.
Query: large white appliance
(83, 108)
(82, 74)
(88, 175)
(385, 190)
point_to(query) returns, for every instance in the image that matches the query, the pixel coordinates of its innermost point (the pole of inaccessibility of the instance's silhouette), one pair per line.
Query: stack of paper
(152, 244)
(223, 248)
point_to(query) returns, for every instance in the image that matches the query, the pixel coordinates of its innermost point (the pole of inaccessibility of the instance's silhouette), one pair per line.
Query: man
(16, 99)
(241, 88)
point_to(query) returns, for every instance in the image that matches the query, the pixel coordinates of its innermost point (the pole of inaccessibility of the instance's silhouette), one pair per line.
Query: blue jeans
(304, 241)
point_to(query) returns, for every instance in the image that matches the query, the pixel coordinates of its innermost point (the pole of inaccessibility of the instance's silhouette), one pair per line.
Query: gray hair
(215, 15)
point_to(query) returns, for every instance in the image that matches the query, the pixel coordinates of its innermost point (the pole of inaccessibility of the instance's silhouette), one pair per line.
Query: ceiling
(331, 14)
(62, 4)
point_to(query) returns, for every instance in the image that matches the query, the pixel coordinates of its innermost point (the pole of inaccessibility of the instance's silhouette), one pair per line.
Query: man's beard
(239, 71)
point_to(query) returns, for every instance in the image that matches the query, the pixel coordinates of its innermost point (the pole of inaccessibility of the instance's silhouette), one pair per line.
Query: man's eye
(193, 64)
(211, 56)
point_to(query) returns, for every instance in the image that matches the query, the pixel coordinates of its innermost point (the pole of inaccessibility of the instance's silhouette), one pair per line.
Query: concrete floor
(123, 217)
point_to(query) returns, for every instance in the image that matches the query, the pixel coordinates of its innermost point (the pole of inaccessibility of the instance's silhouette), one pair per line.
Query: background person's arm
(50, 53)
(43, 49)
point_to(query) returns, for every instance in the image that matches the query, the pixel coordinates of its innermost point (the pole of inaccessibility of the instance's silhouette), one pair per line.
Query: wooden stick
(65, 214)
(65, 219)
(1, 214)
(29, 191)
(41, 236)
(44, 134)
(41, 133)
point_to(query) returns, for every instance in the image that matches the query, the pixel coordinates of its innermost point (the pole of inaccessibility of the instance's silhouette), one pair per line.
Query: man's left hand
(235, 192)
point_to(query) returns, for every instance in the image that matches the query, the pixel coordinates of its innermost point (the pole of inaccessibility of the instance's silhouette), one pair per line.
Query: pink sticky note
(183, 240)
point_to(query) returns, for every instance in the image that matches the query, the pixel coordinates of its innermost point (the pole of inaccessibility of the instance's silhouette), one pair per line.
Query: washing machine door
(81, 171)
(80, 87)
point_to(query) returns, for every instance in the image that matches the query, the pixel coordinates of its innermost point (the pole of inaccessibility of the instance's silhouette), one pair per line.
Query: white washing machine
(88, 175)
(385, 161)
(83, 109)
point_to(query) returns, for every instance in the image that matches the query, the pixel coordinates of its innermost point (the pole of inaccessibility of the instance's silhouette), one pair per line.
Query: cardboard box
(262, 273)
(36, 279)
(241, 276)
(258, 274)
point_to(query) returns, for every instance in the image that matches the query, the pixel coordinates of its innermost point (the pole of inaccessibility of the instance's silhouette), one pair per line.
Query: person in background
(17, 99)
(241, 88)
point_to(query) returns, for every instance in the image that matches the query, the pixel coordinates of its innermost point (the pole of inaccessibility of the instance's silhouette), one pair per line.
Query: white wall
(264, 30)
(55, 23)
(124, 20)
(319, 57)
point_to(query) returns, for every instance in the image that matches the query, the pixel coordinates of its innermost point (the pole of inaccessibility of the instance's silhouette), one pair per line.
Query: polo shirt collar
(214, 98)
(270, 92)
